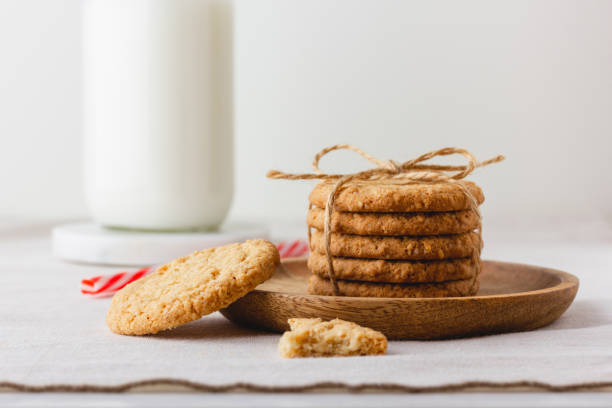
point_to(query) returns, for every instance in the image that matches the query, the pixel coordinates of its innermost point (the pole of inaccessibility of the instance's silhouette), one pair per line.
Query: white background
(529, 79)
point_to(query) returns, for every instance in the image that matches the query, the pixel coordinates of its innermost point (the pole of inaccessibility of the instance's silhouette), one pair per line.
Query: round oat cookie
(433, 223)
(378, 270)
(392, 196)
(190, 287)
(465, 287)
(415, 248)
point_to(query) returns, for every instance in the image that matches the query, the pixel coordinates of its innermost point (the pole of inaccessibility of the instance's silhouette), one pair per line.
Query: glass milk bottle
(158, 105)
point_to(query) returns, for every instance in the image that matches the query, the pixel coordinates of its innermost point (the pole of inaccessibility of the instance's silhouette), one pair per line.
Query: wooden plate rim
(568, 281)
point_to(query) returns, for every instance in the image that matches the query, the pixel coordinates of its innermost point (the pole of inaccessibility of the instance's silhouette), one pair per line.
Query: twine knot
(409, 172)
(393, 166)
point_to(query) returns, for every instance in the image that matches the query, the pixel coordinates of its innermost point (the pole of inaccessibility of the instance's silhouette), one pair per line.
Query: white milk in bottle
(158, 112)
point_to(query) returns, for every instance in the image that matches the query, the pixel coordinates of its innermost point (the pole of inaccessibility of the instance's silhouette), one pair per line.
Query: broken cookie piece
(316, 338)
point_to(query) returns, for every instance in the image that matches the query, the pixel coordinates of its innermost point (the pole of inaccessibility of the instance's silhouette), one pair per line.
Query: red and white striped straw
(107, 285)
(293, 249)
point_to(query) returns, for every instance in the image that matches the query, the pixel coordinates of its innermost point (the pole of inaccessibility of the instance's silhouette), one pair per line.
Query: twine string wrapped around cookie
(409, 172)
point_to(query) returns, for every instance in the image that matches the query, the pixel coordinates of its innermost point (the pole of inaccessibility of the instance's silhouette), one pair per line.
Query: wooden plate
(512, 297)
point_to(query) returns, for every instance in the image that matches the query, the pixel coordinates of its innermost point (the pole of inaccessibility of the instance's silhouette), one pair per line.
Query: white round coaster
(91, 243)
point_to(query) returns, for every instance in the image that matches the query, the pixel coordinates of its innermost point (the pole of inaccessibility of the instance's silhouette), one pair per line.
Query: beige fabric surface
(50, 334)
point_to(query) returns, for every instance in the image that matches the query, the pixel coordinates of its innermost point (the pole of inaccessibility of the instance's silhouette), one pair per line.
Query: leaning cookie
(465, 287)
(396, 196)
(191, 287)
(415, 248)
(379, 270)
(432, 223)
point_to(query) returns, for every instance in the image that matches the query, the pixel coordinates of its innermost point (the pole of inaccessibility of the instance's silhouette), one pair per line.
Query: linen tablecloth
(51, 335)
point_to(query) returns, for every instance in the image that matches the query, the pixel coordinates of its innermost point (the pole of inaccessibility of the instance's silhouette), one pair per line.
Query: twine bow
(408, 172)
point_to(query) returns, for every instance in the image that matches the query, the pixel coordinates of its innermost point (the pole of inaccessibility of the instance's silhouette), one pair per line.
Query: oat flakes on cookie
(406, 247)
(370, 223)
(380, 270)
(190, 287)
(394, 196)
(464, 287)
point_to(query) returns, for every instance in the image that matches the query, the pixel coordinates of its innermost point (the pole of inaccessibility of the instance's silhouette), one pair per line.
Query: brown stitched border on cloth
(177, 385)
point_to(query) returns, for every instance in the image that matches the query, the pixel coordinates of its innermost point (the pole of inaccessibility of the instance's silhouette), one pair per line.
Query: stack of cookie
(395, 240)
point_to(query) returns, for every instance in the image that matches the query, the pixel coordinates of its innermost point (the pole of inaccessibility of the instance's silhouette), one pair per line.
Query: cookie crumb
(316, 338)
